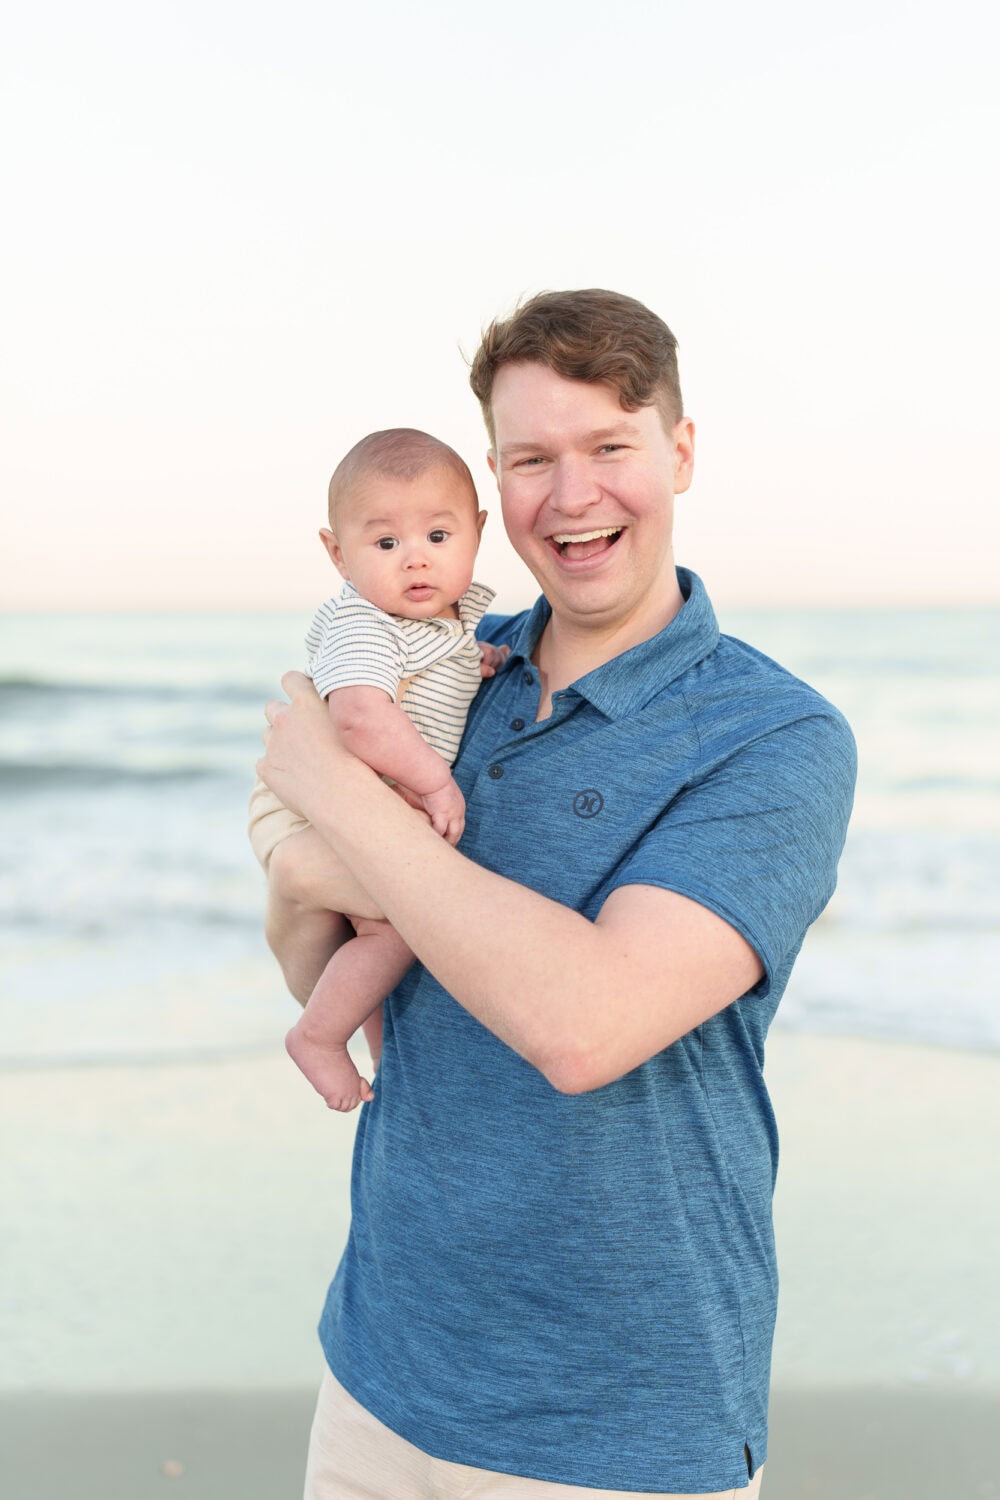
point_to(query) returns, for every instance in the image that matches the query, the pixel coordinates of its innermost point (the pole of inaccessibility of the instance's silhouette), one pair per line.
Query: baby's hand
(446, 810)
(493, 658)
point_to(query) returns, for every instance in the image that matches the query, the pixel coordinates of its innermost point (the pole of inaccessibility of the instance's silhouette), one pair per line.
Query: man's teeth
(561, 538)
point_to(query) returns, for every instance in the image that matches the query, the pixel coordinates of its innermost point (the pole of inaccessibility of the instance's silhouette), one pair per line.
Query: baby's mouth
(578, 546)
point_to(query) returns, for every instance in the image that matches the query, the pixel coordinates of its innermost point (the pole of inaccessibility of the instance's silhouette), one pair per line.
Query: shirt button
(517, 723)
(529, 677)
(496, 772)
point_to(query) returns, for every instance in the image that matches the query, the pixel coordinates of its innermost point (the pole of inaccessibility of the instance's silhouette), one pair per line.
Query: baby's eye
(437, 536)
(386, 543)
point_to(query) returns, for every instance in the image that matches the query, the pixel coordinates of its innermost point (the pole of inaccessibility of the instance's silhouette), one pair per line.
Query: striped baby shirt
(353, 643)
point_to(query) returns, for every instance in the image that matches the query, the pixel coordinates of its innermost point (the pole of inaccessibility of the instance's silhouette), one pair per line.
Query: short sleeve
(758, 839)
(357, 646)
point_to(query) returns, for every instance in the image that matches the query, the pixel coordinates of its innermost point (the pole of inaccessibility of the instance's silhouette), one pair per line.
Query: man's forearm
(435, 898)
(582, 1001)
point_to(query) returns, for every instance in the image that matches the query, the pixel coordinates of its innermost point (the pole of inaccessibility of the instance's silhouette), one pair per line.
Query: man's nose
(574, 487)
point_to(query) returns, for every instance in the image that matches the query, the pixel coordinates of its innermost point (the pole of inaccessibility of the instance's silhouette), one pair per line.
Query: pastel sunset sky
(238, 237)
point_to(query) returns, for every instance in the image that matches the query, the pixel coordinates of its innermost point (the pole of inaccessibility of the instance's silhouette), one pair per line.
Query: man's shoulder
(501, 630)
(735, 666)
(738, 692)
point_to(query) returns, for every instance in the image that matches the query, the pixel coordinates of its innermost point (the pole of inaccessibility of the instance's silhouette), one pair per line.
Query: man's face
(587, 493)
(408, 546)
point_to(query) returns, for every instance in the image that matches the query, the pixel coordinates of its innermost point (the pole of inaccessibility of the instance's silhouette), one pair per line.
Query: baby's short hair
(397, 453)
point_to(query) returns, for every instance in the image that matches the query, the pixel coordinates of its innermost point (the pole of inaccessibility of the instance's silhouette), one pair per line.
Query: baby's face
(409, 545)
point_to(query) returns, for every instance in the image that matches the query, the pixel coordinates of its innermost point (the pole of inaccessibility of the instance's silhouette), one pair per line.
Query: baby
(396, 658)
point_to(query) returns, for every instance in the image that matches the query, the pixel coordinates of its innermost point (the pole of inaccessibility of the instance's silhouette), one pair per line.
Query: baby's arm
(378, 732)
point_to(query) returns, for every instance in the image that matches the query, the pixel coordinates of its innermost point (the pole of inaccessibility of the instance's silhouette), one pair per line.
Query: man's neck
(566, 651)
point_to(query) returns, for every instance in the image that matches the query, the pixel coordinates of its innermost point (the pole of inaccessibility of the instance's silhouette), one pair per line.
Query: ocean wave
(134, 909)
(29, 776)
(958, 1035)
(156, 1056)
(17, 691)
(843, 663)
(868, 920)
(870, 642)
(966, 783)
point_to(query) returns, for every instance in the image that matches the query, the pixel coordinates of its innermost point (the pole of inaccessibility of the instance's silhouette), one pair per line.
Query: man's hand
(493, 658)
(300, 744)
(305, 744)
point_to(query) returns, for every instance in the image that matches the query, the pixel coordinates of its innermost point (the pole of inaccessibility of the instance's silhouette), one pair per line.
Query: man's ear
(491, 459)
(682, 438)
(334, 552)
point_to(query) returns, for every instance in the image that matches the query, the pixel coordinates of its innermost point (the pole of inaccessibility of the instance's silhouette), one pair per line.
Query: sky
(239, 237)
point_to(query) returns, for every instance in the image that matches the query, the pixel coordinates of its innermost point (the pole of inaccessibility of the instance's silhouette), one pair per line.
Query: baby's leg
(305, 886)
(355, 981)
(372, 1029)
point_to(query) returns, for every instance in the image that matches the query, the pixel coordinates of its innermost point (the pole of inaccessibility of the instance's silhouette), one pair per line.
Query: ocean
(130, 905)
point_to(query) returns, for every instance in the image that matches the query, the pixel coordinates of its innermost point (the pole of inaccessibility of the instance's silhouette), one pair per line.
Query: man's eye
(611, 447)
(437, 535)
(386, 543)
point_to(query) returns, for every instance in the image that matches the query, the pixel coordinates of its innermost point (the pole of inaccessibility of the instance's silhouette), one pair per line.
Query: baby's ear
(481, 522)
(333, 550)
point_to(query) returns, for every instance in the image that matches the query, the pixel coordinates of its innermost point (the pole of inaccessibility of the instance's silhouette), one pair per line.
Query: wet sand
(855, 1444)
(148, 1209)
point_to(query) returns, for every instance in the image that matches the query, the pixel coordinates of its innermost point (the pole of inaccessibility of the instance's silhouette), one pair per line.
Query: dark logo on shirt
(588, 804)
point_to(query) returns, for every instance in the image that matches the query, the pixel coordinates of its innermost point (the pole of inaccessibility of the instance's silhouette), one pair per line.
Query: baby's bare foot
(329, 1069)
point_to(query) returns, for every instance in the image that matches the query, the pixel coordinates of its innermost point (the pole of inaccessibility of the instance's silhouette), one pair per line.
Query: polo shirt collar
(628, 682)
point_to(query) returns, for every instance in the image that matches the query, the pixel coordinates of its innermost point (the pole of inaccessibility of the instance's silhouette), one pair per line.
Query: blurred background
(235, 241)
(238, 238)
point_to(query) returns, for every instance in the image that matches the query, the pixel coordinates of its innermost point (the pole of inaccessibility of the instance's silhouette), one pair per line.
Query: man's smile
(579, 545)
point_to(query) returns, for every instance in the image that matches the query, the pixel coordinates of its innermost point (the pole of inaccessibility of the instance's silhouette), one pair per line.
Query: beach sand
(170, 1232)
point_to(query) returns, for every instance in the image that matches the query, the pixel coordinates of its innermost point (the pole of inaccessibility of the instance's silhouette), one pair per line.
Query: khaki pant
(353, 1457)
(270, 822)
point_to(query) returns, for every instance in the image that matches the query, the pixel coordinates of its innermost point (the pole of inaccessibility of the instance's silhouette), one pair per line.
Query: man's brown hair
(396, 453)
(589, 335)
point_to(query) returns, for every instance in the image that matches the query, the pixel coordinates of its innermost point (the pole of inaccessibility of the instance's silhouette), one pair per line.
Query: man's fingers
(295, 683)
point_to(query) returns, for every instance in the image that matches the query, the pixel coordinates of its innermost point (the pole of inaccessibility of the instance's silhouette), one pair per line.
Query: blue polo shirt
(582, 1289)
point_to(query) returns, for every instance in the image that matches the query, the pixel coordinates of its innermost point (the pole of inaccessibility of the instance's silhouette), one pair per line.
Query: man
(561, 1269)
